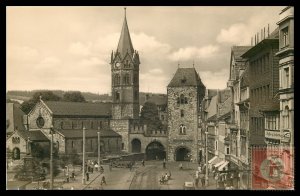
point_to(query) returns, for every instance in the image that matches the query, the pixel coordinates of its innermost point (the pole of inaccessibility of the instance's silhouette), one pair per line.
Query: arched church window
(126, 79)
(16, 154)
(117, 79)
(182, 129)
(117, 96)
(286, 117)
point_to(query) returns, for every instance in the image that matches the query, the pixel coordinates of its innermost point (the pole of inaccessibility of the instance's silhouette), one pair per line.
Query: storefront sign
(273, 135)
(286, 136)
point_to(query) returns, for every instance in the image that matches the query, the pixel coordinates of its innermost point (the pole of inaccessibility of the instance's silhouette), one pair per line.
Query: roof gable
(185, 77)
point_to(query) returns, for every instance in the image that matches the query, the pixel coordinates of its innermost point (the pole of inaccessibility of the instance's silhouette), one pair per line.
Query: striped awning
(219, 164)
(211, 160)
(223, 165)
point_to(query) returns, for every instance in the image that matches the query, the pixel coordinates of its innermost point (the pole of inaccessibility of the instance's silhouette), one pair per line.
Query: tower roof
(185, 77)
(125, 44)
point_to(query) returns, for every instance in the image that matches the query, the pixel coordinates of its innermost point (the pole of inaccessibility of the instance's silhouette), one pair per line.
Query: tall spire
(125, 44)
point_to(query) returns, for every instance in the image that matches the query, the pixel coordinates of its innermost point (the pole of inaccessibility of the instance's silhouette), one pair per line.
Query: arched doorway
(155, 150)
(136, 145)
(182, 154)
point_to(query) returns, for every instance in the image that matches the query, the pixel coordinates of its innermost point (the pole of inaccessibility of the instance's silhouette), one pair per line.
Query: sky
(69, 48)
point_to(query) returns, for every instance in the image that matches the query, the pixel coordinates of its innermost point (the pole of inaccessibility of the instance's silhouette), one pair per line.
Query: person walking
(87, 176)
(143, 162)
(164, 164)
(103, 180)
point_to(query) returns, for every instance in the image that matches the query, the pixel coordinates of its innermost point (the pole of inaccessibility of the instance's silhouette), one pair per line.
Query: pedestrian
(103, 181)
(164, 164)
(196, 179)
(203, 180)
(180, 166)
(87, 176)
(143, 162)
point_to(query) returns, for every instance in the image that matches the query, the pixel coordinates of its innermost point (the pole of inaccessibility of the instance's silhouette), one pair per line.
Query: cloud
(189, 53)
(79, 48)
(22, 53)
(241, 33)
(215, 79)
(234, 34)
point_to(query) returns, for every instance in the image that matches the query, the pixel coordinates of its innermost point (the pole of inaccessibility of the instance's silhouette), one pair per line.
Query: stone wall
(121, 127)
(189, 120)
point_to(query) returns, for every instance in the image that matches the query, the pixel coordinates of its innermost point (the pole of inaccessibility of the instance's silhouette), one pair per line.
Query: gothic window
(127, 64)
(117, 96)
(16, 154)
(117, 79)
(287, 77)
(123, 146)
(15, 140)
(182, 129)
(126, 79)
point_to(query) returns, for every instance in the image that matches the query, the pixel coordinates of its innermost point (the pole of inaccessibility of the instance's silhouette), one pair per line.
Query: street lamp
(98, 147)
(51, 158)
(83, 156)
(206, 158)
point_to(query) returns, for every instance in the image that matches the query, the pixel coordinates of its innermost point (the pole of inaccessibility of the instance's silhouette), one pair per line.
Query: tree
(149, 116)
(75, 96)
(47, 95)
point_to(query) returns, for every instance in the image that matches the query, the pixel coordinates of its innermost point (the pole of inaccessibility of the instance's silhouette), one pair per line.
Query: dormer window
(183, 80)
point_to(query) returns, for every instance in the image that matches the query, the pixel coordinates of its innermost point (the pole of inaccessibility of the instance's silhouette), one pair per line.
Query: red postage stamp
(272, 168)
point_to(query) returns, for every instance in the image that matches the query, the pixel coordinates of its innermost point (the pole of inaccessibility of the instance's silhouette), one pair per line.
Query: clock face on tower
(118, 65)
(40, 122)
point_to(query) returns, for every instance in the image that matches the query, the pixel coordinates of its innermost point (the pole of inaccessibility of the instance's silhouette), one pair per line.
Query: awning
(211, 160)
(223, 165)
(219, 164)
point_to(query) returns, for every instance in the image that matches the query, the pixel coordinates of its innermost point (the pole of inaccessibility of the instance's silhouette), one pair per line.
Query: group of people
(165, 178)
(199, 176)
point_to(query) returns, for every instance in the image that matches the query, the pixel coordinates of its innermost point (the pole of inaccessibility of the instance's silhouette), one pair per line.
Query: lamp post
(83, 155)
(51, 158)
(98, 146)
(206, 158)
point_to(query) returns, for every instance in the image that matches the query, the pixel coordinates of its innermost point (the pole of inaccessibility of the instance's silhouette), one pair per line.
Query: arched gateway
(182, 154)
(136, 145)
(155, 150)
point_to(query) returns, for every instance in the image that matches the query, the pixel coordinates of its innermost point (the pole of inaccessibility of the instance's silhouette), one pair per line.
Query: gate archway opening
(155, 150)
(182, 154)
(136, 146)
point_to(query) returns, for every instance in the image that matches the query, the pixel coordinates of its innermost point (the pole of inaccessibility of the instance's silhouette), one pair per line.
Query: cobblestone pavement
(139, 178)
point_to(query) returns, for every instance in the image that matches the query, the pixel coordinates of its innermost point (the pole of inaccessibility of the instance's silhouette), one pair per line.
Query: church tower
(125, 86)
(125, 77)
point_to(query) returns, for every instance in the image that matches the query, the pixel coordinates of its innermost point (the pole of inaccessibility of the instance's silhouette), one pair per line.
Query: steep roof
(33, 135)
(77, 133)
(185, 77)
(79, 109)
(237, 51)
(212, 108)
(14, 118)
(125, 44)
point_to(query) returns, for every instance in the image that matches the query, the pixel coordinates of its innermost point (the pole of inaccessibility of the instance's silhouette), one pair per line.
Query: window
(287, 77)
(285, 37)
(117, 96)
(216, 145)
(117, 79)
(227, 150)
(271, 123)
(127, 64)
(123, 146)
(92, 125)
(61, 125)
(182, 130)
(126, 79)
(100, 124)
(286, 117)
(182, 113)
(181, 99)
(72, 144)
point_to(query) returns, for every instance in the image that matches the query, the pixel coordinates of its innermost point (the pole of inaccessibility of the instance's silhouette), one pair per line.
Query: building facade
(185, 92)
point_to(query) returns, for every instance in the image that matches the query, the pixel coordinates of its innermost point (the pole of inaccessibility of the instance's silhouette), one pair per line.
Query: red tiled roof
(77, 133)
(79, 109)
